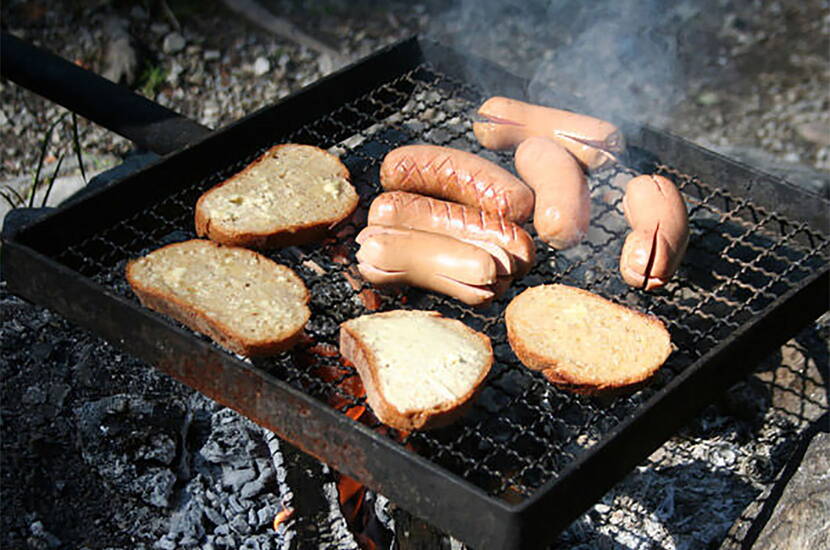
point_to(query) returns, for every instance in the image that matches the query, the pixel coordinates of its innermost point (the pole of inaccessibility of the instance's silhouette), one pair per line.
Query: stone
(261, 66)
(211, 55)
(816, 132)
(801, 518)
(173, 43)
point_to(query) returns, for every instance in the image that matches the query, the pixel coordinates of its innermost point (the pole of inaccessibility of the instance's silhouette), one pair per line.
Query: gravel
(100, 450)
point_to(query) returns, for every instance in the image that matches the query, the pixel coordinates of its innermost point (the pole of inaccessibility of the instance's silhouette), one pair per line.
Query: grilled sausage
(508, 122)
(458, 176)
(654, 249)
(490, 231)
(393, 256)
(563, 201)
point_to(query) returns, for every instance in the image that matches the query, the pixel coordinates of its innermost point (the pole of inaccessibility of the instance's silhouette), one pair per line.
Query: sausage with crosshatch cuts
(397, 256)
(563, 201)
(413, 211)
(657, 243)
(505, 123)
(457, 176)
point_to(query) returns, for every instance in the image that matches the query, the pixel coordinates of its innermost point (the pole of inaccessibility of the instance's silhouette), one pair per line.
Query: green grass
(14, 198)
(151, 80)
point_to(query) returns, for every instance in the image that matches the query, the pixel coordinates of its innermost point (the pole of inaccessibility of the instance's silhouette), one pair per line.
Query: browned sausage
(458, 176)
(393, 256)
(398, 208)
(654, 249)
(563, 201)
(508, 122)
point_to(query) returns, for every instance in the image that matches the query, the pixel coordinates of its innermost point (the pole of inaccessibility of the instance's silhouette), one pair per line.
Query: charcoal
(41, 538)
(236, 478)
(252, 488)
(265, 515)
(160, 447)
(213, 515)
(239, 524)
(157, 487)
(34, 395)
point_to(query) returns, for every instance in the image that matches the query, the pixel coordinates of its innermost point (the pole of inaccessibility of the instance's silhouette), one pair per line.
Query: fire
(282, 516)
(348, 396)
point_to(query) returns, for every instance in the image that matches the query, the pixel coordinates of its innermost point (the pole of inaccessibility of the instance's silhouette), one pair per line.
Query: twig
(170, 15)
(279, 26)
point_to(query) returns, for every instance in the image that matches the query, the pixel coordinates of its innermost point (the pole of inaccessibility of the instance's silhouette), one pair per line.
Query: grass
(151, 80)
(15, 198)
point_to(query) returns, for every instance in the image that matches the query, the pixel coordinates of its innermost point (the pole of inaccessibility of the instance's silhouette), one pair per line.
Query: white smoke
(619, 58)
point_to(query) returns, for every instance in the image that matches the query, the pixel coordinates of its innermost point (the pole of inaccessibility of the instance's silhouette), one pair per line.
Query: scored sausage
(469, 224)
(394, 256)
(656, 212)
(508, 122)
(563, 201)
(458, 176)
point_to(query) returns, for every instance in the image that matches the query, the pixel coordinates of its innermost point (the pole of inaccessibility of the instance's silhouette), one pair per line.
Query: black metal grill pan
(529, 458)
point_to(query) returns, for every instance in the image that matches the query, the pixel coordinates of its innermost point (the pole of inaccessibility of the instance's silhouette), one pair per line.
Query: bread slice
(420, 370)
(583, 342)
(239, 298)
(293, 194)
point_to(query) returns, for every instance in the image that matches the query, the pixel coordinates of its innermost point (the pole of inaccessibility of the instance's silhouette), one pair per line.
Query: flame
(282, 516)
(348, 396)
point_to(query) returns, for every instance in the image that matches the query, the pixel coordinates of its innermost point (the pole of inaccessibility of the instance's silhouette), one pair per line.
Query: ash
(101, 450)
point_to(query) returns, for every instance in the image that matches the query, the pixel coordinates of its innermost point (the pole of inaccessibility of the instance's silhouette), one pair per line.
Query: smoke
(619, 59)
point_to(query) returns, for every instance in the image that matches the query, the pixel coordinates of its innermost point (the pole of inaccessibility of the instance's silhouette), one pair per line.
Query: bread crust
(559, 372)
(361, 356)
(290, 235)
(186, 313)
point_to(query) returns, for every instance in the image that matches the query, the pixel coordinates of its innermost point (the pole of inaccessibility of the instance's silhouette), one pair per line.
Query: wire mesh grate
(521, 432)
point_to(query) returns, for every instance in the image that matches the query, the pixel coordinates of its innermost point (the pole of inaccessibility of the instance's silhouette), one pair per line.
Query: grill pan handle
(149, 125)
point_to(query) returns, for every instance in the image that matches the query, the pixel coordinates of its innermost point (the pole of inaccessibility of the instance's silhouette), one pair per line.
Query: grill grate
(521, 432)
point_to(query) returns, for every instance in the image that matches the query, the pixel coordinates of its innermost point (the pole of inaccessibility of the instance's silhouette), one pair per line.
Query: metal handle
(111, 105)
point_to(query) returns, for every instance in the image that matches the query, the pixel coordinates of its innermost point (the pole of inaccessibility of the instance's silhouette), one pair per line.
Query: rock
(120, 58)
(261, 66)
(801, 518)
(211, 55)
(816, 132)
(173, 43)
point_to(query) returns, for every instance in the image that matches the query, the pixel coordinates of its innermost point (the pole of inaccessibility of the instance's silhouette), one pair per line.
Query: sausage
(457, 176)
(508, 122)
(469, 224)
(656, 212)
(391, 256)
(563, 200)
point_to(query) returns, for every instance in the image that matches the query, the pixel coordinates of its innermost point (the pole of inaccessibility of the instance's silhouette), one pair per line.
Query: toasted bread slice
(583, 342)
(420, 370)
(239, 298)
(293, 194)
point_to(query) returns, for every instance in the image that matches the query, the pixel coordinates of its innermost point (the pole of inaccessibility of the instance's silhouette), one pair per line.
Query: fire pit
(756, 271)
